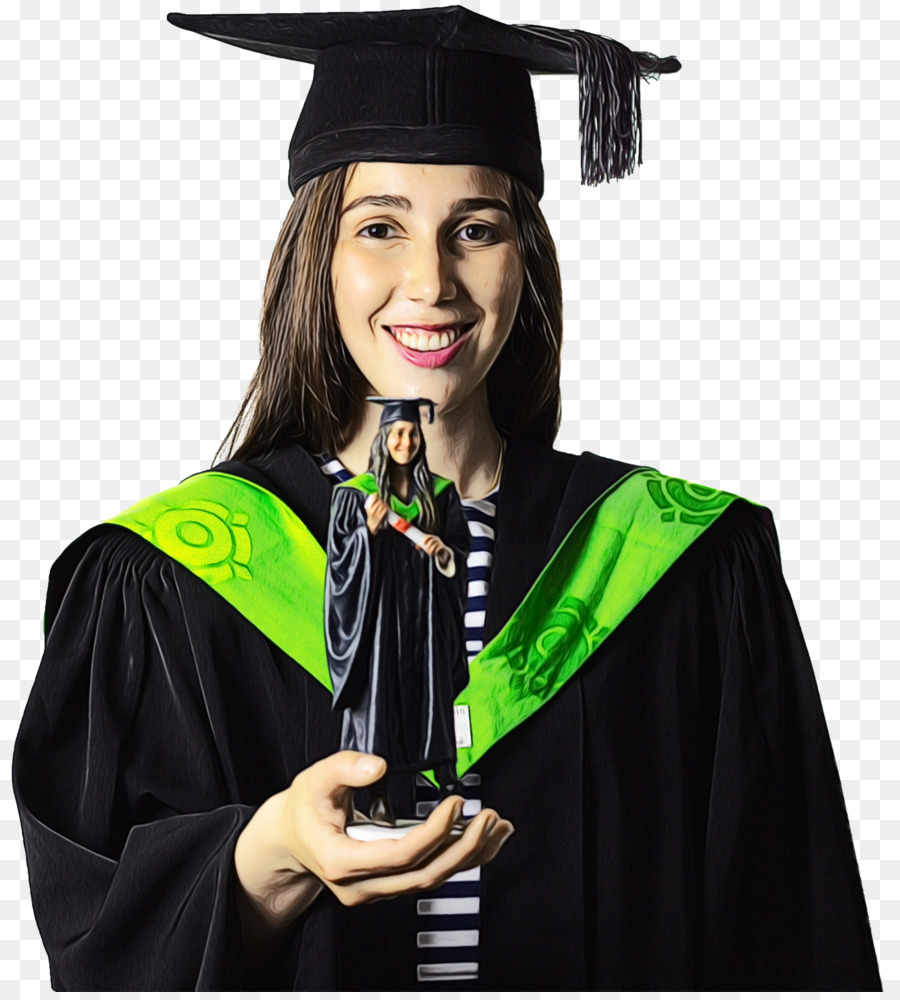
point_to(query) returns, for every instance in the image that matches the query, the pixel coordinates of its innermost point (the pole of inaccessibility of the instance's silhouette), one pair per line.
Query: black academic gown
(395, 634)
(679, 817)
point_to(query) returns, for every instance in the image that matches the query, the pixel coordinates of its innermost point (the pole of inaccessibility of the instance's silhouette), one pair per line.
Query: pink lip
(431, 359)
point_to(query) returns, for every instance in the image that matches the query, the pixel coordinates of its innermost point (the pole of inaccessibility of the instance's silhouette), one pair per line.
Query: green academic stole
(251, 548)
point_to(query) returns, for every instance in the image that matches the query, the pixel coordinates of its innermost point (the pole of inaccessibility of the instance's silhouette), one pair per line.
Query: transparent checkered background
(731, 310)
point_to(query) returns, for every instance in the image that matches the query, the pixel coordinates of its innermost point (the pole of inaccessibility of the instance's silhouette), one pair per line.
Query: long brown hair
(308, 389)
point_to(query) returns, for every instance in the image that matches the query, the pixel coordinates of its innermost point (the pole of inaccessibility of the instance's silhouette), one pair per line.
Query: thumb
(351, 769)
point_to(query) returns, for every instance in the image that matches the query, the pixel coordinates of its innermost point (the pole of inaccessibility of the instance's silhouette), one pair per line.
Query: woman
(397, 696)
(678, 815)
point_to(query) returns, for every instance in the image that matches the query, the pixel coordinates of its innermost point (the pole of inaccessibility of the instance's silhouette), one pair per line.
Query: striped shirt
(447, 918)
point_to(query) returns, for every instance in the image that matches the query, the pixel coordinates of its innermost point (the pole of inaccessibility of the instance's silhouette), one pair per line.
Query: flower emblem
(691, 503)
(208, 538)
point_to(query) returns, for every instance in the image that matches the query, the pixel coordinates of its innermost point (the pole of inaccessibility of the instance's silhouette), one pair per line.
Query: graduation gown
(395, 633)
(679, 816)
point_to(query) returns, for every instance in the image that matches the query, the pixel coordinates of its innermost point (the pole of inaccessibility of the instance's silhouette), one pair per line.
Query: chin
(444, 395)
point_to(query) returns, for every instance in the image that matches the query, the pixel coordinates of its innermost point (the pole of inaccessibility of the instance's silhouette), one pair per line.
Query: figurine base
(365, 830)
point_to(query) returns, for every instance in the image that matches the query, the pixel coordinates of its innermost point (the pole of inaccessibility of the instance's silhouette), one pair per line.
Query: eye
(377, 231)
(478, 232)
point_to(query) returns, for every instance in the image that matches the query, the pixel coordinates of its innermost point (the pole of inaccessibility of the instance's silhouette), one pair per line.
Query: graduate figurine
(395, 597)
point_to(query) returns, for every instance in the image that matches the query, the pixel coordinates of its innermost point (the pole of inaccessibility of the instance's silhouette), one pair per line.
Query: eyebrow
(381, 200)
(467, 205)
(462, 207)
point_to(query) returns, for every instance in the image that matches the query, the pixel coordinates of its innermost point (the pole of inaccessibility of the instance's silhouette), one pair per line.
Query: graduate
(394, 607)
(660, 803)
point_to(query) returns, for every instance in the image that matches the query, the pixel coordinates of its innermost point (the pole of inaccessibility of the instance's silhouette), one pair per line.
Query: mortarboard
(444, 85)
(402, 409)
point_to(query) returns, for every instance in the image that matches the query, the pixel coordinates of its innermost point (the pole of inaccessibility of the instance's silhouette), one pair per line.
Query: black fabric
(304, 37)
(417, 103)
(443, 85)
(679, 817)
(395, 634)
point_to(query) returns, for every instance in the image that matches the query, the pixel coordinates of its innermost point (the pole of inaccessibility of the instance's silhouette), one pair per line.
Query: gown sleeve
(683, 797)
(129, 808)
(784, 907)
(349, 582)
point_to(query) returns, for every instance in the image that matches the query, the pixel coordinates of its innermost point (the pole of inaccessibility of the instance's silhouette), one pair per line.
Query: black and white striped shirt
(447, 918)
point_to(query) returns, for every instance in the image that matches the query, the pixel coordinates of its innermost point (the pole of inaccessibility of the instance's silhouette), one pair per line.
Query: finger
(320, 798)
(478, 834)
(486, 844)
(485, 837)
(461, 854)
(494, 842)
(464, 854)
(499, 837)
(352, 860)
(342, 770)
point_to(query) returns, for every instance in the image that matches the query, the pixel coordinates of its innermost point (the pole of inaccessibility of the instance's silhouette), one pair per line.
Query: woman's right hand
(376, 513)
(295, 844)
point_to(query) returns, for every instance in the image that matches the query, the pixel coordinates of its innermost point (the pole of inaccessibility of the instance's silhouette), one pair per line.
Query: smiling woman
(427, 282)
(436, 268)
(640, 699)
(355, 249)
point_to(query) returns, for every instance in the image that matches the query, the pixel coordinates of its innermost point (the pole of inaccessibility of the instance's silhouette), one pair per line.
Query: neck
(463, 446)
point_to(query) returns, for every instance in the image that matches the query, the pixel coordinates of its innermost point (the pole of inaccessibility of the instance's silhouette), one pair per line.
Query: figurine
(394, 606)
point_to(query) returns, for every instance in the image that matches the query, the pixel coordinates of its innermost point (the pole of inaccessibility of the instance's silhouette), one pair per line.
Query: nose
(430, 277)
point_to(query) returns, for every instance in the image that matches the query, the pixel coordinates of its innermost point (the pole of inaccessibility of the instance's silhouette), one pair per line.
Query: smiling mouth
(417, 338)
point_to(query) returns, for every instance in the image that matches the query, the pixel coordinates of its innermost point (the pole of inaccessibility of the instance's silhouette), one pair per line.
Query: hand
(377, 512)
(432, 544)
(295, 844)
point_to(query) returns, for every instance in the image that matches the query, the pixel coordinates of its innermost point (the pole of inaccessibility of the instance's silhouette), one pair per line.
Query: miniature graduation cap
(402, 409)
(444, 85)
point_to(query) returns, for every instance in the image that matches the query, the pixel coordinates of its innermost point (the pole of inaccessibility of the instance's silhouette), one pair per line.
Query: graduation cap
(402, 409)
(444, 85)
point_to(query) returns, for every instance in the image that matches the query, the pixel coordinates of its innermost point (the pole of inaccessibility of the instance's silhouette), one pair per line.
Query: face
(403, 441)
(427, 278)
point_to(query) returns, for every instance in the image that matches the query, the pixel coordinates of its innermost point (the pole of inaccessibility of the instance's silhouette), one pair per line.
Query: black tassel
(609, 100)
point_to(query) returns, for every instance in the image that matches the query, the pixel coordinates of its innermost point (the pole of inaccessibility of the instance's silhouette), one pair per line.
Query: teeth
(412, 338)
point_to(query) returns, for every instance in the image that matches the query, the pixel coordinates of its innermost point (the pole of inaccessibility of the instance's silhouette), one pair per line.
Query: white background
(731, 310)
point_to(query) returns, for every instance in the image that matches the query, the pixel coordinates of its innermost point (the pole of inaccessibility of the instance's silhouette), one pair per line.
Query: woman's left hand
(432, 544)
